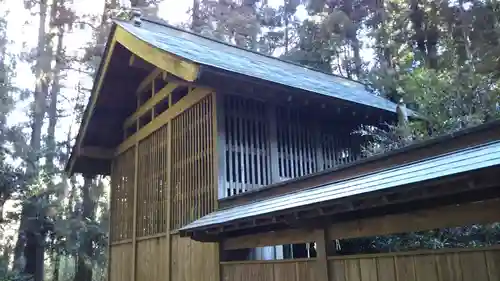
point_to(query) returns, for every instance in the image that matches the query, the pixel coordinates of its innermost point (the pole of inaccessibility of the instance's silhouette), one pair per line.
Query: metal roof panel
(205, 51)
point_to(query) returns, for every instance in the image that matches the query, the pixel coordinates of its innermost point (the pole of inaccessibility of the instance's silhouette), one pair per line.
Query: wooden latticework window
(152, 186)
(122, 196)
(266, 143)
(339, 146)
(193, 180)
(247, 158)
(297, 143)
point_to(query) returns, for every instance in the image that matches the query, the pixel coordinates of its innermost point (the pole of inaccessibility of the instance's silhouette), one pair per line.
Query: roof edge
(164, 23)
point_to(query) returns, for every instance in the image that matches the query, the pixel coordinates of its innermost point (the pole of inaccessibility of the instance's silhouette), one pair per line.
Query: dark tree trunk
(83, 270)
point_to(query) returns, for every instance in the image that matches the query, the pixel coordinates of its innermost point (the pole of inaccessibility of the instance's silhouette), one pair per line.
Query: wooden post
(108, 276)
(134, 216)
(218, 134)
(169, 197)
(220, 143)
(322, 255)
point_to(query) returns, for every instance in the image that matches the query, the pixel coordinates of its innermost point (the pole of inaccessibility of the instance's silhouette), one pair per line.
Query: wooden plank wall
(122, 196)
(481, 264)
(266, 143)
(152, 259)
(193, 261)
(163, 177)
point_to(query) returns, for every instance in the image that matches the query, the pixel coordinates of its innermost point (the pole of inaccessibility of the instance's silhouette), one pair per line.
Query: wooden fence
(441, 265)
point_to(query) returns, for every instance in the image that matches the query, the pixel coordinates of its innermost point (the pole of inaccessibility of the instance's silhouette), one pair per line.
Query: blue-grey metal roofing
(209, 52)
(466, 160)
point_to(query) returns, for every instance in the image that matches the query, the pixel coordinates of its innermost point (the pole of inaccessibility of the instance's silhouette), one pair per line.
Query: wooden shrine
(186, 125)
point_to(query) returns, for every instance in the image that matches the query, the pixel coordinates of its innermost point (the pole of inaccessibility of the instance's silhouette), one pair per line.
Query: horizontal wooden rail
(417, 253)
(268, 261)
(189, 100)
(148, 80)
(149, 104)
(449, 216)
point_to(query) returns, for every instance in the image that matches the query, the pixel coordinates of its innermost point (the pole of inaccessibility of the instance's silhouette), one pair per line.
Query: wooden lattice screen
(122, 196)
(297, 143)
(267, 143)
(339, 146)
(247, 158)
(193, 180)
(152, 186)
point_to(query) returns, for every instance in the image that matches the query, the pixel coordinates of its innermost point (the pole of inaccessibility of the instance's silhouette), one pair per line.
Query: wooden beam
(291, 236)
(137, 62)
(147, 82)
(171, 78)
(149, 104)
(165, 61)
(449, 216)
(189, 100)
(96, 152)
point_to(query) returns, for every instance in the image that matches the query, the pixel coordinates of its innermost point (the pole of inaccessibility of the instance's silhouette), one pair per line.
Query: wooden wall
(440, 265)
(192, 260)
(163, 177)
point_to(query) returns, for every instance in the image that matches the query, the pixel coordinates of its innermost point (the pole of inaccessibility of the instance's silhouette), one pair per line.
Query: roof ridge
(164, 23)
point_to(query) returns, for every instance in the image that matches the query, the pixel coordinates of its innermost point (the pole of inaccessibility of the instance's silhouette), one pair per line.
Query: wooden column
(220, 143)
(169, 198)
(134, 214)
(108, 277)
(322, 255)
(219, 162)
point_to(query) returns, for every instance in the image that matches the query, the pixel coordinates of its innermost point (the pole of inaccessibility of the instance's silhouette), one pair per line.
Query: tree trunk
(287, 43)
(52, 111)
(84, 270)
(195, 23)
(29, 241)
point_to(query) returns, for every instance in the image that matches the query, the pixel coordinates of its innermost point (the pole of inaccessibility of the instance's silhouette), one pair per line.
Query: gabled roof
(193, 58)
(219, 55)
(455, 163)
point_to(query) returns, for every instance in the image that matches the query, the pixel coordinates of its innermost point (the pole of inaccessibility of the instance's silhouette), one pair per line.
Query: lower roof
(450, 164)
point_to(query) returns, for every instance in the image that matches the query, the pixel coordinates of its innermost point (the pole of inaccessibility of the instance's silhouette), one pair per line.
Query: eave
(148, 53)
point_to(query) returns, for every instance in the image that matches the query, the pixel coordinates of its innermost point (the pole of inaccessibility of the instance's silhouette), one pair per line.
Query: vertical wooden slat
(273, 142)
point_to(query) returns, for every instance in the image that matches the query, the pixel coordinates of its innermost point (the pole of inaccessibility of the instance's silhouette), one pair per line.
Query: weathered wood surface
(439, 265)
